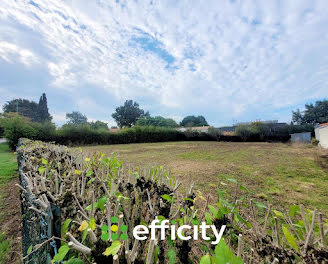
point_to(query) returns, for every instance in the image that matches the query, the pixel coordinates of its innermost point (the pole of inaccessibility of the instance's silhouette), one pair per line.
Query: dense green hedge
(270, 132)
(16, 127)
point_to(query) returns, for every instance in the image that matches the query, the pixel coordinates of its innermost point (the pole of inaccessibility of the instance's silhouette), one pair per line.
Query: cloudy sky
(227, 60)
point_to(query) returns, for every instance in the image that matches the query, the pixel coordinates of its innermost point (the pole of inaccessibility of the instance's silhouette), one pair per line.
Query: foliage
(193, 121)
(76, 118)
(99, 125)
(43, 111)
(128, 114)
(257, 232)
(156, 121)
(244, 131)
(223, 254)
(313, 114)
(24, 107)
(260, 132)
(315, 141)
(214, 132)
(2, 130)
(76, 133)
(30, 109)
(134, 195)
(15, 127)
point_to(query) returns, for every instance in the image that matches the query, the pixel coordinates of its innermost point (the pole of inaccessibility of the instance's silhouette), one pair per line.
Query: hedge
(17, 127)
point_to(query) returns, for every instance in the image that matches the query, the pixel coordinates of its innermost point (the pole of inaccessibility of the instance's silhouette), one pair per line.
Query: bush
(1, 130)
(245, 132)
(45, 131)
(215, 133)
(315, 142)
(16, 127)
(270, 132)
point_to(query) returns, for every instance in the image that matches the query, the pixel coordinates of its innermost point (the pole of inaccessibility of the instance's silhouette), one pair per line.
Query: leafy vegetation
(128, 114)
(76, 118)
(90, 190)
(274, 172)
(258, 131)
(313, 114)
(30, 109)
(157, 121)
(193, 121)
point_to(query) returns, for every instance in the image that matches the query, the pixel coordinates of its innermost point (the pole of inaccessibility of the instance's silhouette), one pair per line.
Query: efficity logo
(141, 232)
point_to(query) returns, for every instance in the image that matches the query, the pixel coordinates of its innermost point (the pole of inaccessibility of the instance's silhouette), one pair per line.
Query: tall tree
(99, 125)
(128, 114)
(313, 113)
(76, 118)
(43, 112)
(23, 107)
(193, 121)
(297, 118)
(157, 121)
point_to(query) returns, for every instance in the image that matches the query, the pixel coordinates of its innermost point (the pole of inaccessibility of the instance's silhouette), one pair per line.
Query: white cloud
(12, 53)
(59, 118)
(230, 57)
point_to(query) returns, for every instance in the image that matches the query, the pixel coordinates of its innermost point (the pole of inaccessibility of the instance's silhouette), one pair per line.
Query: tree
(98, 125)
(23, 107)
(43, 112)
(193, 121)
(156, 121)
(297, 117)
(15, 127)
(313, 114)
(128, 114)
(76, 118)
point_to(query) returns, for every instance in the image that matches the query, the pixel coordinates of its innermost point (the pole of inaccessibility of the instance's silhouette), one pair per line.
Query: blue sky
(227, 60)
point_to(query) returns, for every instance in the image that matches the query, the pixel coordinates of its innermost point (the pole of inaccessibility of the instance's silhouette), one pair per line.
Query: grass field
(9, 207)
(279, 173)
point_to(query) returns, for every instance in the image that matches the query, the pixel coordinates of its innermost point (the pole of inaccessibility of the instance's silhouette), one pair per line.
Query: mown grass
(8, 164)
(279, 173)
(8, 167)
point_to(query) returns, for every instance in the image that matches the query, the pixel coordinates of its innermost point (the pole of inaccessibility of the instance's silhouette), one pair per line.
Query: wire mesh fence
(37, 226)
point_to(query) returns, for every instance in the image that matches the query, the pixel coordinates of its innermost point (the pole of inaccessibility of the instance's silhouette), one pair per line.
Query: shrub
(45, 131)
(315, 142)
(15, 127)
(215, 133)
(270, 132)
(244, 132)
(97, 196)
(1, 130)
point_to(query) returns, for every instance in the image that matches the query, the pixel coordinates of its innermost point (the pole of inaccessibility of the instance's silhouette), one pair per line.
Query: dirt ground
(282, 174)
(11, 221)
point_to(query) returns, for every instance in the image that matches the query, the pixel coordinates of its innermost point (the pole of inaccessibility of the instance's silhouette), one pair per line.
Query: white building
(321, 134)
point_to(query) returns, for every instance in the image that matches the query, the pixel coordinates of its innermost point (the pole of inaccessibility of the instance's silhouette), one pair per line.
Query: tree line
(36, 112)
(128, 115)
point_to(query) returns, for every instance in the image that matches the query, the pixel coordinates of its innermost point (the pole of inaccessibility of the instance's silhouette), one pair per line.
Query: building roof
(114, 129)
(194, 128)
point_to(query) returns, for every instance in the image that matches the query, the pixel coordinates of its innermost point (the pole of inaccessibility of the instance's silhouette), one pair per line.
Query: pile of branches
(90, 191)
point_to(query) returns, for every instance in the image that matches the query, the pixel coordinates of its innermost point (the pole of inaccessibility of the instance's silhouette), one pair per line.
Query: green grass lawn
(8, 165)
(8, 168)
(282, 174)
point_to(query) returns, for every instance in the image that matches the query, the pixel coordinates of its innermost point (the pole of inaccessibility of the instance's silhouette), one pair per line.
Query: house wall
(321, 134)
